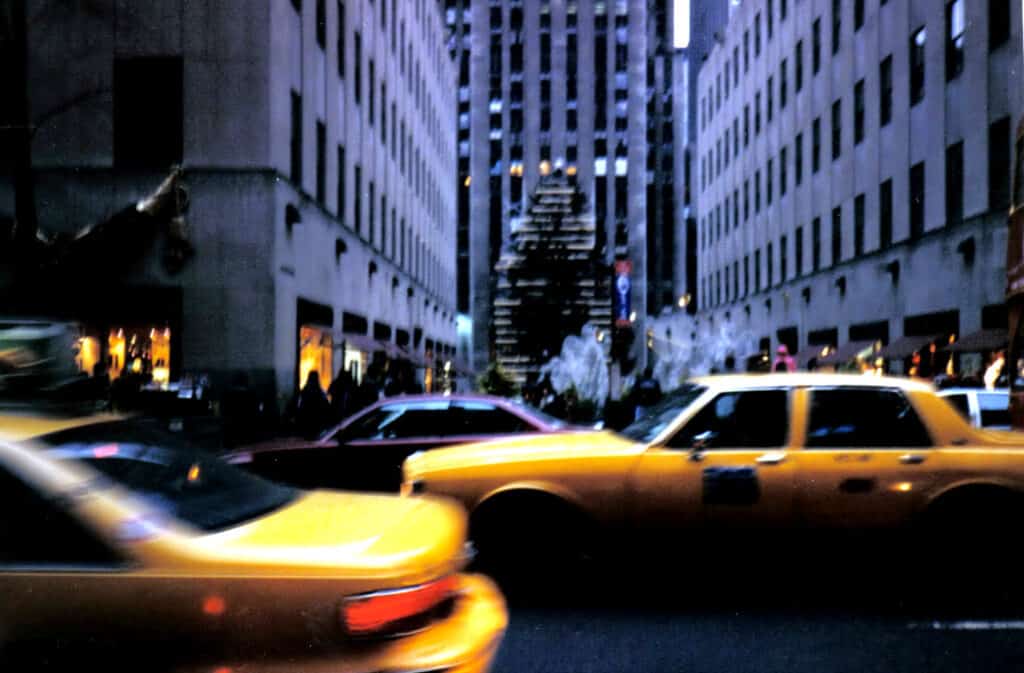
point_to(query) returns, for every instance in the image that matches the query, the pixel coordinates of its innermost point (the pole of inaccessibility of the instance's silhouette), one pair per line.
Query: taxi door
(727, 467)
(865, 460)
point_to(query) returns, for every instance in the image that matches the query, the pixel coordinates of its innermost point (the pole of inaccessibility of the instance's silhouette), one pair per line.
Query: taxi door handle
(912, 459)
(771, 458)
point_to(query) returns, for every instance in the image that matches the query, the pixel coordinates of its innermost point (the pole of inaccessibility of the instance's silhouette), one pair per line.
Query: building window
(757, 113)
(885, 92)
(296, 139)
(148, 112)
(341, 40)
(768, 183)
(321, 23)
(954, 183)
(798, 66)
(858, 112)
(769, 18)
(816, 46)
(357, 199)
(357, 67)
(917, 200)
(998, 23)
(837, 24)
(757, 35)
(370, 221)
(816, 244)
(783, 261)
(999, 164)
(837, 129)
(383, 113)
(858, 225)
(341, 183)
(858, 15)
(837, 235)
(782, 10)
(746, 200)
(798, 159)
(782, 85)
(321, 162)
(816, 145)
(769, 255)
(885, 214)
(746, 275)
(917, 56)
(798, 257)
(746, 125)
(746, 51)
(735, 66)
(735, 137)
(782, 172)
(956, 26)
(369, 90)
(757, 271)
(757, 192)
(769, 96)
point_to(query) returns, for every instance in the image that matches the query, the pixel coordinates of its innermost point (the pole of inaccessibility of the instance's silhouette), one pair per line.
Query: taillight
(395, 610)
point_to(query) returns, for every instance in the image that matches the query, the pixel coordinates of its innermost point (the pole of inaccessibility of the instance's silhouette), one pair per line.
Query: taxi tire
(974, 528)
(527, 535)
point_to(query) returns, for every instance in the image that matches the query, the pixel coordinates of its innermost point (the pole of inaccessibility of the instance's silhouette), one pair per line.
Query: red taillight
(371, 613)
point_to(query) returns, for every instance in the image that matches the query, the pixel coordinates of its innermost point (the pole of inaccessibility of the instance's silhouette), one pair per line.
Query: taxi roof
(21, 424)
(802, 379)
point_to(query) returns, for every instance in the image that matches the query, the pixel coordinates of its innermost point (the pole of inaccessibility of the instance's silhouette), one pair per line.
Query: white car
(984, 408)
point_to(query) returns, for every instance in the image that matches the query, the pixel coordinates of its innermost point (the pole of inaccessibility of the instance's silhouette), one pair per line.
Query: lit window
(621, 165)
(600, 166)
(545, 167)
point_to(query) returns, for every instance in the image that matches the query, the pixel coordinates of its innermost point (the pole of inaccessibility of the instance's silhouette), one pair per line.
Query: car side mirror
(702, 441)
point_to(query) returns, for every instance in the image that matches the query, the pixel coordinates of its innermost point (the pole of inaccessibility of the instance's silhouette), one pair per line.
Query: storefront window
(87, 354)
(315, 354)
(142, 350)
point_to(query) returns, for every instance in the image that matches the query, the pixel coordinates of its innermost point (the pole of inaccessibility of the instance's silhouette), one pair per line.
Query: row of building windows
(410, 68)
(955, 36)
(717, 289)
(392, 237)
(727, 216)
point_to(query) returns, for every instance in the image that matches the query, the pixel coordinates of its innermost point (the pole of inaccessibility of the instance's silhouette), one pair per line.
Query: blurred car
(982, 407)
(123, 549)
(367, 449)
(775, 452)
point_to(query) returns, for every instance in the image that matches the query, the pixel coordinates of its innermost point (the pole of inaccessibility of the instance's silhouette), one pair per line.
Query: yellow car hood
(554, 446)
(346, 534)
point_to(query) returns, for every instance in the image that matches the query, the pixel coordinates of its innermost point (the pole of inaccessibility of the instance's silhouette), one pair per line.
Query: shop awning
(906, 346)
(808, 353)
(846, 352)
(980, 341)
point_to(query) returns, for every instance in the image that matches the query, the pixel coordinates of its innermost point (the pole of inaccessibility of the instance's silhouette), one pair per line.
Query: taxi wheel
(975, 528)
(526, 534)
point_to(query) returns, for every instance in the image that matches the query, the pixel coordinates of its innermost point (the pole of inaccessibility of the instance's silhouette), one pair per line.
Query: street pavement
(789, 622)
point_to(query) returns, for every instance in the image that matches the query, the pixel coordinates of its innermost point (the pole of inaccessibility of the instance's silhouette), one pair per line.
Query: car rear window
(995, 409)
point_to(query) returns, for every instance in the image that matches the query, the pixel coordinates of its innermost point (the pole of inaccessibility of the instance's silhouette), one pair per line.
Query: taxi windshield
(662, 414)
(176, 479)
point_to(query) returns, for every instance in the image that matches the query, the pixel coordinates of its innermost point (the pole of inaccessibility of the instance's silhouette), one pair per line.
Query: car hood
(247, 453)
(521, 448)
(346, 534)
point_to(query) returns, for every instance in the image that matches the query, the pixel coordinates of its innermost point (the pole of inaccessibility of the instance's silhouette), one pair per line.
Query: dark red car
(366, 450)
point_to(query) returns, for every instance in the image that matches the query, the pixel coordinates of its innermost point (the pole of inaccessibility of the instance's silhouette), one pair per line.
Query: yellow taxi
(771, 452)
(120, 543)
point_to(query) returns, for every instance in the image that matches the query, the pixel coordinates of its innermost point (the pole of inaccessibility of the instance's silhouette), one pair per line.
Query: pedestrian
(310, 411)
(730, 364)
(240, 410)
(646, 393)
(784, 362)
(342, 392)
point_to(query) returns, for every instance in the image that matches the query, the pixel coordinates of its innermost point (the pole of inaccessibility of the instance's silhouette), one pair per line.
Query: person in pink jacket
(784, 362)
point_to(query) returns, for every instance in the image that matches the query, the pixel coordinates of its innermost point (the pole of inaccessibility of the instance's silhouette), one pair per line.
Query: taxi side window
(37, 531)
(864, 418)
(751, 419)
(962, 404)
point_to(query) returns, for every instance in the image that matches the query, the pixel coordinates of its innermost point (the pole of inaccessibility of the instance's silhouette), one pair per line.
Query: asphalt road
(789, 622)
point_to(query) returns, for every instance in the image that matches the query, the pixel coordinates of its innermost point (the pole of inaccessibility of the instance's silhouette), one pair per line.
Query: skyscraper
(584, 85)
